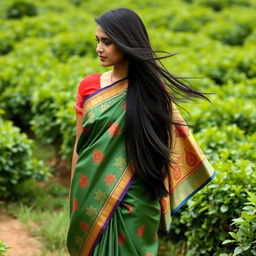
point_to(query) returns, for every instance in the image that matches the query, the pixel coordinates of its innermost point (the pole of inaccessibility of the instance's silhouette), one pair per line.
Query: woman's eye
(108, 42)
(105, 42)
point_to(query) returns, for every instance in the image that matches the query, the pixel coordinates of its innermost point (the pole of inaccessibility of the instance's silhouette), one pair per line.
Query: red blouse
(87, 86)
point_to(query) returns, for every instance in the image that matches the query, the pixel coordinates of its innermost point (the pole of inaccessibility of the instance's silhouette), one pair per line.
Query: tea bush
(67, 44)
(228, 33)
(17, 162)
(245, 235)
(229, 64)
(190, 20)
(6, 42)
(19, 9)
(219, 5)
(229, 143)
(229, 111)
(207, 219)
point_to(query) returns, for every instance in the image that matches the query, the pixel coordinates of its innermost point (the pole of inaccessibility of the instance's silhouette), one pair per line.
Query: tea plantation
(47, 47)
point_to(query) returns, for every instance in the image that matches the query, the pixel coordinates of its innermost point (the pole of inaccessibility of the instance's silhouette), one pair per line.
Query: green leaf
(239, 220)
(228, 241)
(238, 250)
(234, 235)
(252, 197)
(224, 208)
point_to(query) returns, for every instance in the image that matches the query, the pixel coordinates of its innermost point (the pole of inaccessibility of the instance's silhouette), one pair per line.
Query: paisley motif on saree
(190, 173)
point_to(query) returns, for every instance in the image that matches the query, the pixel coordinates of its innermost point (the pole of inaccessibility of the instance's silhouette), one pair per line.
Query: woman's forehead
(100, 33)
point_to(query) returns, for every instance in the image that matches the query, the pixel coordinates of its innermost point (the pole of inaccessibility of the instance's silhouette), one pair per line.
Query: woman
(135, 161)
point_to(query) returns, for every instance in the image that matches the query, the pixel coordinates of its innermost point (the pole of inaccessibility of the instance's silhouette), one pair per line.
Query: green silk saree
(110, 211)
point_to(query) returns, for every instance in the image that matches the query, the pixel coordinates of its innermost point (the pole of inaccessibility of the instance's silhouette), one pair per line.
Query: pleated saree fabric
(111, 212)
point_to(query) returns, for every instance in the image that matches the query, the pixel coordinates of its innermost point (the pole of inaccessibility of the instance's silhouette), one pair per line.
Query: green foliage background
(3, 248)
(47, 47)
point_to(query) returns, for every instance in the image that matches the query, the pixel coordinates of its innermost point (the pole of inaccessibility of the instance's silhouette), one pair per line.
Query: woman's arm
(79, 129)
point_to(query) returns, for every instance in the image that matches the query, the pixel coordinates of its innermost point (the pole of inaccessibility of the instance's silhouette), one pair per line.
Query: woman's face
(108, 52)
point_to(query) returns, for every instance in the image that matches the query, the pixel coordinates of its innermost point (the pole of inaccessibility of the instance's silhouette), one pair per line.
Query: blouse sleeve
(79, 98)
(85, 88)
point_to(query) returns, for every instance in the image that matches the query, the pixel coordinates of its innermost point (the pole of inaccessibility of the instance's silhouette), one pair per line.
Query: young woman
(135, 162)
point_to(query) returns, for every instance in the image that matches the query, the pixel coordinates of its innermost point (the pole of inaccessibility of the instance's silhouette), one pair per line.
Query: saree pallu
(111, 212)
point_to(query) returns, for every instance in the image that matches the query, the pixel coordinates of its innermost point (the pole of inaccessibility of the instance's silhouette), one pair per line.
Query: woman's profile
(135, 162)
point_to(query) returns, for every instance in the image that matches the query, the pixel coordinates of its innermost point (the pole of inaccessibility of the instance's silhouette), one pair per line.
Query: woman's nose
(99, 48)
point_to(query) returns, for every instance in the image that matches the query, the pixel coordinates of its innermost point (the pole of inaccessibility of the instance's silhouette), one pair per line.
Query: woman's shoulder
(91, 81)
(91, 78)
(87, 86)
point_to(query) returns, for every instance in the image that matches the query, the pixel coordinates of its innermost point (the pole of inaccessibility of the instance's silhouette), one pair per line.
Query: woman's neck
(120, 71)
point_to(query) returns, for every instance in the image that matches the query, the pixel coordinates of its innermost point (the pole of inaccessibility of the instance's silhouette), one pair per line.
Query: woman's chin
(105, 64)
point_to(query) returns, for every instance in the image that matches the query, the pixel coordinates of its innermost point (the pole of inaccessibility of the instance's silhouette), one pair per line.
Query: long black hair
(149, 121)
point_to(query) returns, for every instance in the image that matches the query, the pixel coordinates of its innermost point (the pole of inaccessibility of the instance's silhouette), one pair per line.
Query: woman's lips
(102, 57)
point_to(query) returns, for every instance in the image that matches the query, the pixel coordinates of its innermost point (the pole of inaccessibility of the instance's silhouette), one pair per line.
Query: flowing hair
(151, 90)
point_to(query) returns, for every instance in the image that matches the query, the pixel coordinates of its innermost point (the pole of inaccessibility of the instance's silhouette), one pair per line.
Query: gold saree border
(107, 211)
(104, 94)
(192, 176)
(184, 191)
(189, 186)
(124, 182)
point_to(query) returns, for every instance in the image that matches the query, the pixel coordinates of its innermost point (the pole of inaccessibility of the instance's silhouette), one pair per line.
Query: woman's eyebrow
(102, 38)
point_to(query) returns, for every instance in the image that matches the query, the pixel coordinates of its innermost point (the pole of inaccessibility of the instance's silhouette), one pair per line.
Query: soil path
(14, 234)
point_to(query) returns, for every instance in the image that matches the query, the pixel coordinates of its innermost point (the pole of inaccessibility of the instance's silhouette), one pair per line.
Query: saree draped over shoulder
(110, 211)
